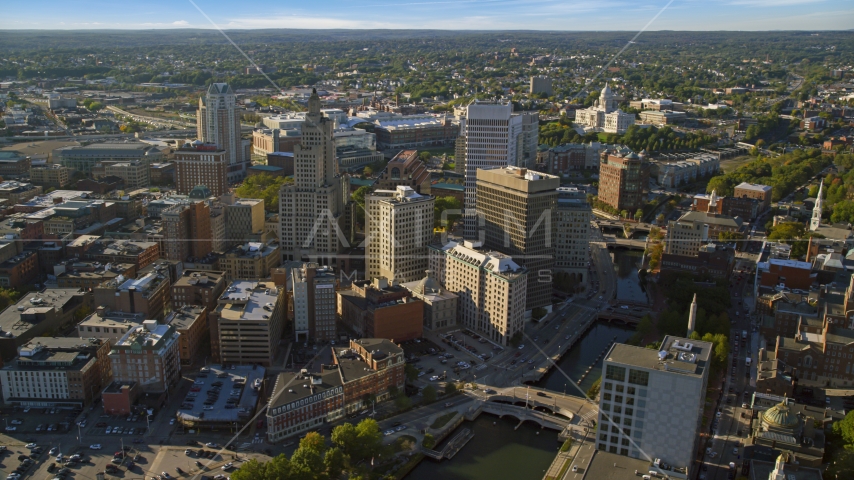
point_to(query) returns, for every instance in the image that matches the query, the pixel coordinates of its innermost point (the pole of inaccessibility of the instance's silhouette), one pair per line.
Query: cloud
(181, 23)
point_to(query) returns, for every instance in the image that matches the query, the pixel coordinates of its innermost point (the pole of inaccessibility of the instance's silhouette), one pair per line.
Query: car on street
(30, 446)
(401, 428)
(227, 466)
(521, 346)
(388, 432)
(211, 445)
(95, 446)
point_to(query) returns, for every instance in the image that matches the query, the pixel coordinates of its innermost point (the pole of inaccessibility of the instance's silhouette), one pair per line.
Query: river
(496, 451)
(626, 265)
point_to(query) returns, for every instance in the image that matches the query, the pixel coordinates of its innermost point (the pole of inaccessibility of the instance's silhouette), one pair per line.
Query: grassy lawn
(563, 470)
(438, 151)
(441, 421)
(731, 164)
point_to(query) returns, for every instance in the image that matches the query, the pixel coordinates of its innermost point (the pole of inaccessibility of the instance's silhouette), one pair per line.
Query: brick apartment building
(622, 180)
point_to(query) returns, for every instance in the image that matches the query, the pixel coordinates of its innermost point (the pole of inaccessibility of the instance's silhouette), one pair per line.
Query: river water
(626, 265)
(497, 451)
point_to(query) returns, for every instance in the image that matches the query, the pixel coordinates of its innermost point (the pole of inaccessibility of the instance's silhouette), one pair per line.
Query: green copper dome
(200, 192)
(780, 416)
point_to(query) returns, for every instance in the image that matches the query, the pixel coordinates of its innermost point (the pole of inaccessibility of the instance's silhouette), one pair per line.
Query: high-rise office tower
(572, 233)
(651, 402)
(622, 181)
(315, 302)
(187, 230)
(530, 139)
(311, 209)
(218, 122)
(399, 228)
(516, 206)
(200, 163)
(492, 140)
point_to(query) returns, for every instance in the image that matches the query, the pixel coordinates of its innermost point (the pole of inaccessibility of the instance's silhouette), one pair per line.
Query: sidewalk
(565, 458)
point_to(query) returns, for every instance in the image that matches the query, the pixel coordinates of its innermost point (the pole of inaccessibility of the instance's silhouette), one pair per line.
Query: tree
(624, 213)
(659, 219)
(334, 461)
(251, 470)
(265, 187)
(450, 388)
(429, 393)
(402, 402)
(368, 171)
(452, 208)
(411, 372)
(278, 467)
(639, 214)
(308, 458)
(429, 441)
(845, 428)
(721, 185)
(346, 438)
(370, 437)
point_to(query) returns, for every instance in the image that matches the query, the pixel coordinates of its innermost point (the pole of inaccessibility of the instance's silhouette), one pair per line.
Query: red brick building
(790, 273)
(368, 367)
(374, 312)
(201, 164)
(622, 180)
(19, 270)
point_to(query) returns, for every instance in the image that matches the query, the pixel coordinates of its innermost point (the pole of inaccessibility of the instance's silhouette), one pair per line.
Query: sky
(571, 15)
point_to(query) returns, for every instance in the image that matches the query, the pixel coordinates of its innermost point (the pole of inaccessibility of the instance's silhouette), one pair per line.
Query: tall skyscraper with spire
(218, 122)
(692, 317)
(815, 222)
(311, 209)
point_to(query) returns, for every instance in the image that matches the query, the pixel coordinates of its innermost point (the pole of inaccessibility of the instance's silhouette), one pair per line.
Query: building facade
(187, 231)
(314, 302)
(375, 309)
(491, 288)
(638, 411)
(517, 206)
(312, 208)
(218, 122)
(149, 355)
(247, 324)
(622, 181)
(571, 223)
(201, 164)
(492, 135)
(399, 228)
(440, 305)
(605, 114)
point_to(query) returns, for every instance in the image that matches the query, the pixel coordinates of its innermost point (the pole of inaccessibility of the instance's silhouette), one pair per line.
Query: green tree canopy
(265, 187)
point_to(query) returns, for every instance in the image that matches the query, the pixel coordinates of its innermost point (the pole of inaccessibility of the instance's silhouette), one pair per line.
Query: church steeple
(815, 222)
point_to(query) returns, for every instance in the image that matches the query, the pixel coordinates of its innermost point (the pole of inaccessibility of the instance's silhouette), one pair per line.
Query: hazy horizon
(462, 15)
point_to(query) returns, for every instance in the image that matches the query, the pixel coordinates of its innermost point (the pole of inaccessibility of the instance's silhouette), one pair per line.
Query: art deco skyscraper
(311, 209)
(218, 122)
(399, 228)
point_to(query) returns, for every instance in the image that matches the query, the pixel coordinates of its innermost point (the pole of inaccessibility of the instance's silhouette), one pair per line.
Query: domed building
(790, 427)
(605, 114)
(200, 192)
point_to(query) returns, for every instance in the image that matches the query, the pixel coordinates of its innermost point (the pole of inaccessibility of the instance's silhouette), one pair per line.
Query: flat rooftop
(248, 300)
(231, 377)
(610, 466)
(293, 386)
(677, 355)
(12, 322)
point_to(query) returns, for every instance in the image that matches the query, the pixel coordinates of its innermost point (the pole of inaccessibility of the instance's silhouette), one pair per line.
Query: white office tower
(399, 228)
(492, 135)
(311, 209)
(218, 121)
(651, 401)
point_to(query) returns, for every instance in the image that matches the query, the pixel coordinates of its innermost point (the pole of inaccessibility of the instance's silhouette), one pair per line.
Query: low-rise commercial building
(751, 190)
(440, 305)
(18, 192)
(247, 323)
(714, 261)
(60, 372)
(198, 287)
(107, 250)
(20, 270)
(149, 294)
(303, 401)
(90, 274)
(50, 175)
(191, 322)
(369, 367)
(414, 131)
(84, 158)
(252, 260)
(375, 309)
(135, 174)
(38, 314)
(662, 117)
(108, 325)
(149, 355)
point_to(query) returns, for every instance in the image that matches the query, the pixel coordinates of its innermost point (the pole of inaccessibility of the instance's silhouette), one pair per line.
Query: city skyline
(547, 15)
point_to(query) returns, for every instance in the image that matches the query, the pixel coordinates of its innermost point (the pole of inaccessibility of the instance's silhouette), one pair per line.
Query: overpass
(635, 226)
(625, 243)
(155, 121)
